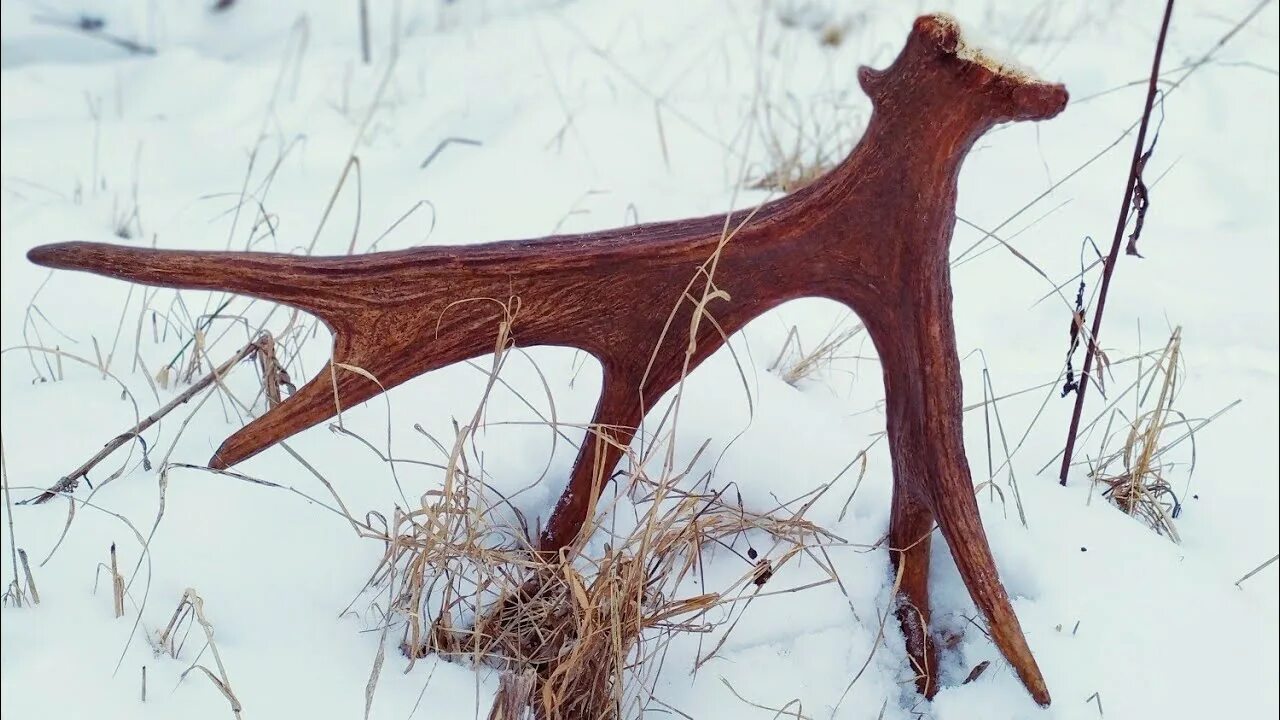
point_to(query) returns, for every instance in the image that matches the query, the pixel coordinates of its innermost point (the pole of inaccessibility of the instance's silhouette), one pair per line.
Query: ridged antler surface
(874, 233)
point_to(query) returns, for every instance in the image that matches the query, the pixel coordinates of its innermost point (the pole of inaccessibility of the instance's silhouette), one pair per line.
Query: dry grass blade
(274, 376)
(117, 585)
(31, 581)
(13, 593)
(875, 645)
(799, 143)
(193, 605)
(1097, 699)
(784, 711)
(372, 684)
(1247, 575)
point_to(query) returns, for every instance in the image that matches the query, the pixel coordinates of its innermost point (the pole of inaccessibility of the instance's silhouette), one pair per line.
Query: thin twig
(13, 539)
(364, 31)
(1248, 575)
(35, 594)
(69, 482)
(1135, 169)
(446, 143)
(117, 585)
(92, 27)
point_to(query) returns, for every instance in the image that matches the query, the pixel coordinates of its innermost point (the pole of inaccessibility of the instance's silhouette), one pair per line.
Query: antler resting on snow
(874, 233)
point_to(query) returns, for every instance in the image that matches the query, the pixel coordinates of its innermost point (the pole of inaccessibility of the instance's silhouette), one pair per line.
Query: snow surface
(970, 46)
(592, 114)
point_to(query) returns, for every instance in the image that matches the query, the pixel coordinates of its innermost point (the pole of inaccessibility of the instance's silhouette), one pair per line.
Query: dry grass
(190, 611)
(794, 364)
(13, 593)
(803, 139)
(579, 638)
(1136, 475)
(117, 585)
(799, 149)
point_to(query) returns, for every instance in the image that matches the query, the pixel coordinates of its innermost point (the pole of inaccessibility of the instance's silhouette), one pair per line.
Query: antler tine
(288, 279)
(617, 416)
(342, 383)
(297, 281)
(313, 403)
(961, 526)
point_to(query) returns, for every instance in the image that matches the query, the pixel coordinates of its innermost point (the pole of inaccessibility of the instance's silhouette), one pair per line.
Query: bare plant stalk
(221, 681)
(69, 482)
(31, 581)
(13, 539)
(117, 584)
(1135, 169)
(93, 27)
(1248, 575)
(272, 375)
(364, 31)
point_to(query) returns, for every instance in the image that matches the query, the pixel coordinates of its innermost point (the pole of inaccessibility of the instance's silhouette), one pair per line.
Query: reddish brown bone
(873, 233)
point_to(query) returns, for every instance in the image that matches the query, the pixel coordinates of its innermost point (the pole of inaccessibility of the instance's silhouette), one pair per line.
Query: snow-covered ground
(591, 114)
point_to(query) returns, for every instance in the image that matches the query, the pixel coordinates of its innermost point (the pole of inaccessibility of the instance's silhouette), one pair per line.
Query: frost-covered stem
(8, 505)
(1121, 222)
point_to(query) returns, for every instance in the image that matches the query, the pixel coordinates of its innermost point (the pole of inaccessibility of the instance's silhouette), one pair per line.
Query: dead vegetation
(803, 139)
(1135, 469)
(794, 363)
(189, 613)
(799, 146)
(582, 637)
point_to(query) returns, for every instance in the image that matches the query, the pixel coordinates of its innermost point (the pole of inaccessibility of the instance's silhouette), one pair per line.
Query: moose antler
(873, 233)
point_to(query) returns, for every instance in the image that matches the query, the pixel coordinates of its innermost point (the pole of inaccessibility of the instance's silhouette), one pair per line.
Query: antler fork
(874, 233)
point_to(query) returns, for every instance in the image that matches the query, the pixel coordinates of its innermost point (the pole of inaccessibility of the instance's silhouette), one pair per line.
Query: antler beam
(874, 233)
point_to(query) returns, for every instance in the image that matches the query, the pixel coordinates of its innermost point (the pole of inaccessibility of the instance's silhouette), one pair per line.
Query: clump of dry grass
(794, 363)
(1135, 476)
(580, 634)
(803, 139)
(799, 150)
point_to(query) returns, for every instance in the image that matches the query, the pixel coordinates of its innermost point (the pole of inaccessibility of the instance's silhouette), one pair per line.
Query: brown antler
(873, 233)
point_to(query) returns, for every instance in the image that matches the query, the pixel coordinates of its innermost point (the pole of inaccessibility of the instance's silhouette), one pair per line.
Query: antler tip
(55, 255)
(940, 29)
(871, 80)
(1040, 100)
(225, 456)
(1031, 97)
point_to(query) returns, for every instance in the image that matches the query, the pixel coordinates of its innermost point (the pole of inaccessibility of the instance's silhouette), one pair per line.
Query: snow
(974, 48)
(592, 114)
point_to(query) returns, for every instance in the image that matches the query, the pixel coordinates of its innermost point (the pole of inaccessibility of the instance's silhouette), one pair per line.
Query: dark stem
(364, 31)
(92, 27)
(1135, 168)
